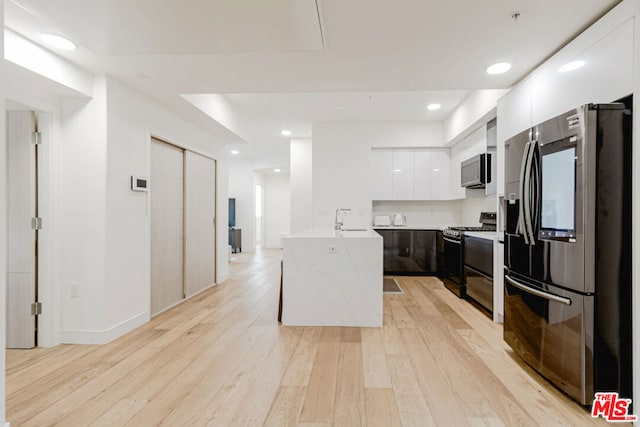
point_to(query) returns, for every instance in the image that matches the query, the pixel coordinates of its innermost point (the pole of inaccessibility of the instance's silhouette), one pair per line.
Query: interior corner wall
(277, 209)
(241, 187)
(301, 188)
(341, 164)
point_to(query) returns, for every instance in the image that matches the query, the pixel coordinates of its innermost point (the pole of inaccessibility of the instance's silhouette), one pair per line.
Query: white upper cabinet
(412, 174)
(381, 170)
(439, 177)
(403, 174)
(422, 174)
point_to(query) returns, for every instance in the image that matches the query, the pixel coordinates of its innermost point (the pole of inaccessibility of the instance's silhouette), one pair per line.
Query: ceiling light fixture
(285, 132)
(57, 41)
(397, 170)
(433, 107)
(570, 66)
(276, 170)
(234, 152)
(498, 68)
(436, 170)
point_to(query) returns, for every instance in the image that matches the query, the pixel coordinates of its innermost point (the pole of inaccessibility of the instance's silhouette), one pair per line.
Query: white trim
(183, 300)
(106, 335)
(223, 277)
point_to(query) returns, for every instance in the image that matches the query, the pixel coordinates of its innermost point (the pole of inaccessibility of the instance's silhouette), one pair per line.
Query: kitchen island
(332, 278)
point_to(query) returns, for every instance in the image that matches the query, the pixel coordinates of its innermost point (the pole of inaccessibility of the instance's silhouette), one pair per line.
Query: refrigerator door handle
(534, 192)
(521, 229)
(526, 197)
(541, 294)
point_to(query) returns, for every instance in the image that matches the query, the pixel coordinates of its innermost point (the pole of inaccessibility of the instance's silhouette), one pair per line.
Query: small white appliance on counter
(382, 220)
(399, 219)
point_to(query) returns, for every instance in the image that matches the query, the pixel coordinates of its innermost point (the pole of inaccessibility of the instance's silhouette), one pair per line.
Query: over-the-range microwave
(476, 171)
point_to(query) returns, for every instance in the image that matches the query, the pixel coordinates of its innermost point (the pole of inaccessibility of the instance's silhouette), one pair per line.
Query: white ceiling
(289, 62)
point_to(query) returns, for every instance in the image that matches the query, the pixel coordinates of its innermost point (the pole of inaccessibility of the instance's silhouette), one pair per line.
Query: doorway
(259, 214)
(23, 225)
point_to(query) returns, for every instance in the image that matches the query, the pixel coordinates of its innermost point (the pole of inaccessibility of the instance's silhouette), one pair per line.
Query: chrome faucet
(338, 225)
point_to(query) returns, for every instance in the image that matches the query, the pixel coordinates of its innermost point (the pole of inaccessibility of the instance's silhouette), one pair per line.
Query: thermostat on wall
(139, 184)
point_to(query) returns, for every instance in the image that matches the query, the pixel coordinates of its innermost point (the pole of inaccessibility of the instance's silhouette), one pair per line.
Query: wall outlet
(74, 290)
(333, 249)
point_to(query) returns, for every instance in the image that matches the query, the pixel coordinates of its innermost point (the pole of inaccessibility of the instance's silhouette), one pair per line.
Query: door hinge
(36, 223)
(36, 138)
(36, 308)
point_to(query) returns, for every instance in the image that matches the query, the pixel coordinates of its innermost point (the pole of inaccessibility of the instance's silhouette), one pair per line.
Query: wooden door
(21, 209)
(167, 225)
(200, 211)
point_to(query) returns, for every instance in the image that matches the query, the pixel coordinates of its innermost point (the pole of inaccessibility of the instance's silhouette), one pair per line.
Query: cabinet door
(381, 171)
(403, 176)
(424, 251)
(439, 179)
(422, 174)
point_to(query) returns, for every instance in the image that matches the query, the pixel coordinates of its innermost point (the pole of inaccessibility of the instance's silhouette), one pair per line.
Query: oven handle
(457, 242)
(545, 295)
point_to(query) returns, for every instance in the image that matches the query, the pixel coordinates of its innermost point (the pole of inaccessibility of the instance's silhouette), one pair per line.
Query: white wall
(106, 225)
(242, 187)
(428, 213)
(301, 166)
(341, 164)
(277, 209)
(3, 236)
(474, 111)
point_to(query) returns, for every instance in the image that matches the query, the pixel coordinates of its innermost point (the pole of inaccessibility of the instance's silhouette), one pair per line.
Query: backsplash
(464, 212)
(435, 213)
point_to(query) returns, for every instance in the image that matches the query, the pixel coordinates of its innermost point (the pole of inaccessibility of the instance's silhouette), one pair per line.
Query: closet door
(167, 225)
(200, 208)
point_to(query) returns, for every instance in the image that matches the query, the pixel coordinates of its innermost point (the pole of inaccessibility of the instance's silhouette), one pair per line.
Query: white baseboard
(106, 335)
(223, 277)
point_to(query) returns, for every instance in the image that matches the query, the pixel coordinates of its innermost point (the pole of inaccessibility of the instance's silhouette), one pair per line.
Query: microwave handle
(541, 294)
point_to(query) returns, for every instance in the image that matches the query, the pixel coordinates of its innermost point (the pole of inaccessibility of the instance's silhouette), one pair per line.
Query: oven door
(551, 329)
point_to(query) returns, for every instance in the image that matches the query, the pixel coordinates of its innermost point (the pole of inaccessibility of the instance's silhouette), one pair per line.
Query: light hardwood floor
(222, 359)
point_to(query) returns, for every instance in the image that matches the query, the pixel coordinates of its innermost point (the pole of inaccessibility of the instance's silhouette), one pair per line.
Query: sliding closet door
(167, 225)
(200, 208)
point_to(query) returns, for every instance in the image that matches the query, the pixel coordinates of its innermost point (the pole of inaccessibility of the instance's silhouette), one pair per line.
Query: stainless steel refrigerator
(568, 249)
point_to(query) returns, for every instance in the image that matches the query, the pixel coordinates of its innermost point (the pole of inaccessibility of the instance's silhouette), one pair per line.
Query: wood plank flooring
(221, 359)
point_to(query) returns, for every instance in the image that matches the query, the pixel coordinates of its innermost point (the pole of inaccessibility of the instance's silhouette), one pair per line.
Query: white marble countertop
(489, 235)
(329, 233)
(410, 227)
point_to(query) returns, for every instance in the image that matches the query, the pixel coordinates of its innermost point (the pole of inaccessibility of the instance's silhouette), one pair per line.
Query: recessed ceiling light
(285, 132)
(433, 107)
(570, 66)
(276, 170)
(397, 170)
(234, 152)
(436, 170)
(499, 68)
(57, 41)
